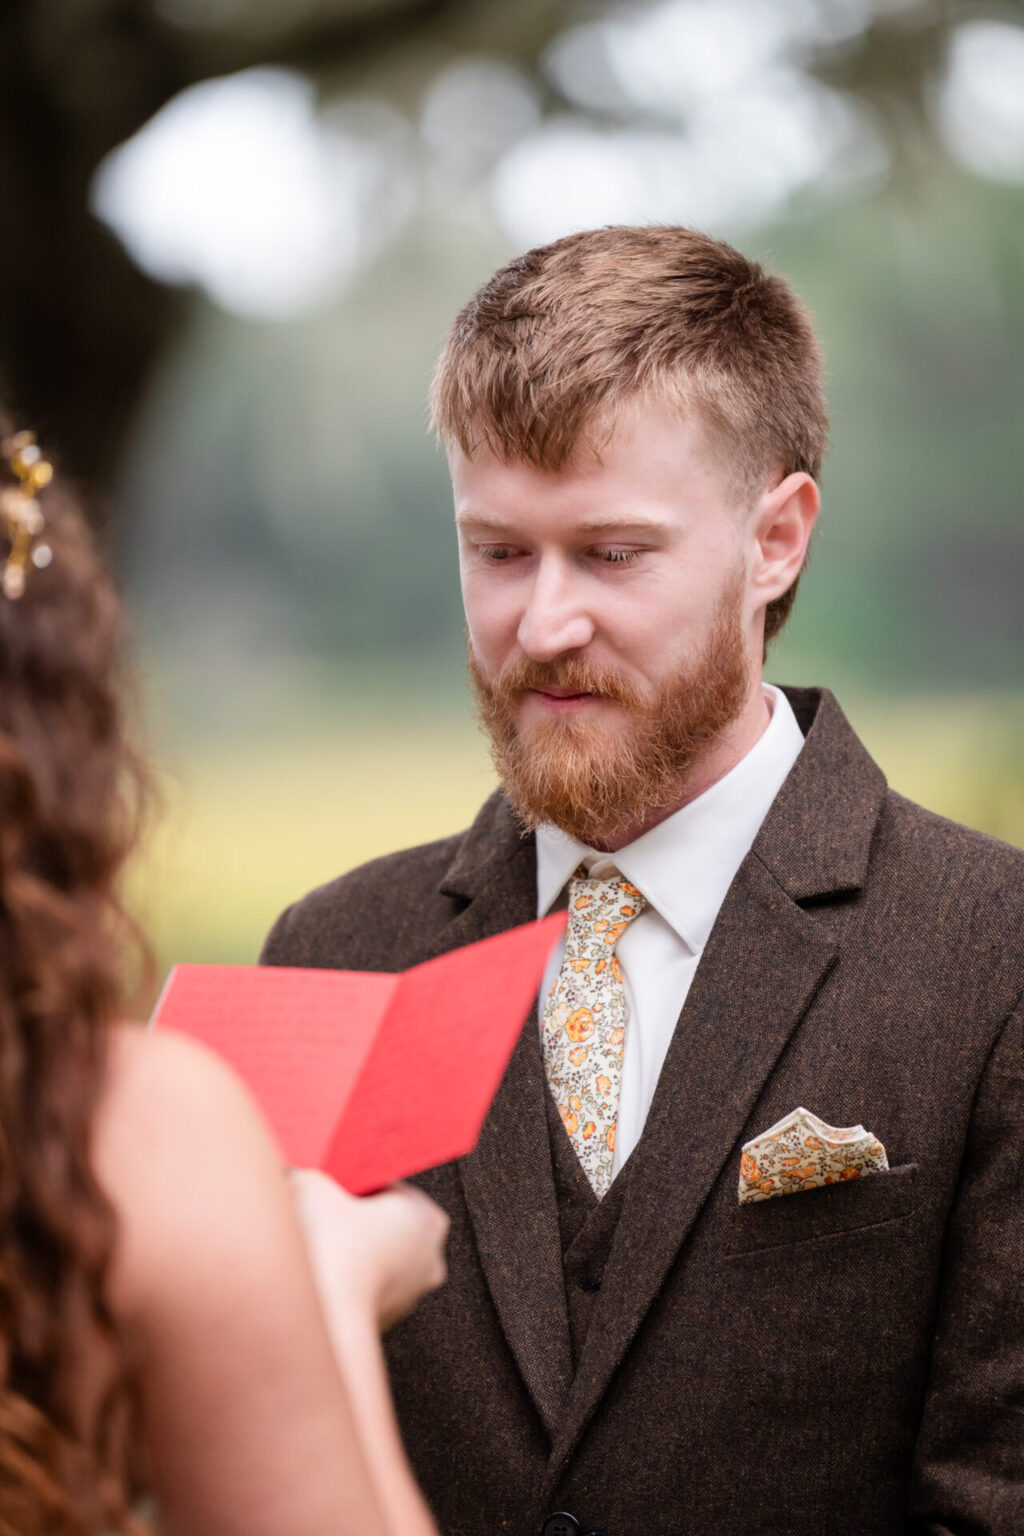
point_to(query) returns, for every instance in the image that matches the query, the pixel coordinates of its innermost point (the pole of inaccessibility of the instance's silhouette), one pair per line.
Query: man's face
(611, 624)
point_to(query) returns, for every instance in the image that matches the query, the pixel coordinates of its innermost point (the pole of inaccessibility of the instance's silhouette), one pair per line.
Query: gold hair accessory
(21, 513)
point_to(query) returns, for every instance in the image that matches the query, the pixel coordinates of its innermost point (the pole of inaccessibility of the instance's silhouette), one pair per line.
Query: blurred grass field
(252, 821)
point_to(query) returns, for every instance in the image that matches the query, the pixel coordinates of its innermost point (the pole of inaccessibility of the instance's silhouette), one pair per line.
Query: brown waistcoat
(586, 1228)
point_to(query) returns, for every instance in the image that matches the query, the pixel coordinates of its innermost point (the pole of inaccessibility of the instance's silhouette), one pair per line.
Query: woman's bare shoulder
(159, 1081)
(172, 1109)
(188, 1162)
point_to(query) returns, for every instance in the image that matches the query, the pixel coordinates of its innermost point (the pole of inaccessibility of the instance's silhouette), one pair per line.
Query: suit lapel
(508, 1179)
(510, 1191)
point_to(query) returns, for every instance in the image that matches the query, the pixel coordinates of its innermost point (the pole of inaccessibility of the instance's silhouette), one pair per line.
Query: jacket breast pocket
(815, 1214)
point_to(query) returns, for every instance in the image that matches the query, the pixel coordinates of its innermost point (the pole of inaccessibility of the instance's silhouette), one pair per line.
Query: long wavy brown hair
(71, 793)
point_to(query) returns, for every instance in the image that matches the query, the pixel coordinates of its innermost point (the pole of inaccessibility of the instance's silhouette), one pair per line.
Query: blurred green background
(236, 231)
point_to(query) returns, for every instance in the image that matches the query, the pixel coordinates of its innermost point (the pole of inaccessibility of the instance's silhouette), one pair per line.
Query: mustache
(570, 672)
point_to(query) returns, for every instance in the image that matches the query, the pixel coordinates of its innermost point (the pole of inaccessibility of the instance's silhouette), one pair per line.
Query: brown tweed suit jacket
(842, 1362)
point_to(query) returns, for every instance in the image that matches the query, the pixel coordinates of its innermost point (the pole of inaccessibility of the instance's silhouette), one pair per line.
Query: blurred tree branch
(80, 325)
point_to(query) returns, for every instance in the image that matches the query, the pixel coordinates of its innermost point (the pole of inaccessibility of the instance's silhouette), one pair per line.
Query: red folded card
(369, 1076)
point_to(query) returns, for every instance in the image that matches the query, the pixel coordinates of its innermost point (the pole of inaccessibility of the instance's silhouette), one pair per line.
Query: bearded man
(740, 1248)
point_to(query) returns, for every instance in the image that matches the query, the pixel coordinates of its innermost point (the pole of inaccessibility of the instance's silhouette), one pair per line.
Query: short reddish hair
(561, 336)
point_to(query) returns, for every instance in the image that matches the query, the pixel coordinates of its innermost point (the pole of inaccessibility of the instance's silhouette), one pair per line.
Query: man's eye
(496, 551)
(617, 556)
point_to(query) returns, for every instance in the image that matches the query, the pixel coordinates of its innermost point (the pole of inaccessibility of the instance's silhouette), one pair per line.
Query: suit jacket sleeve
(283, 944)
(383, 916)
(969, 1473)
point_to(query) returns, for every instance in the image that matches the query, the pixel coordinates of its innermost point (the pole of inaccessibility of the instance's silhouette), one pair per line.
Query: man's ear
(781, 530)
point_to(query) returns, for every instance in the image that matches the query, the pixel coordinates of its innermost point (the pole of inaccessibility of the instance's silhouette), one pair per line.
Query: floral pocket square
(802, 1152)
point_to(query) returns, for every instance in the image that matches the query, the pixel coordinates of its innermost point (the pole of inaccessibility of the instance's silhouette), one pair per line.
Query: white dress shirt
(684, 866)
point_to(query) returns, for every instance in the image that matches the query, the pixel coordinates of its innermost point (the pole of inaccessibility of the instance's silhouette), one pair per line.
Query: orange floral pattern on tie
(583, 1031)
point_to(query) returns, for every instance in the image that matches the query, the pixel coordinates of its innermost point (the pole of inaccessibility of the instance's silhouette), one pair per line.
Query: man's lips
(561, 701)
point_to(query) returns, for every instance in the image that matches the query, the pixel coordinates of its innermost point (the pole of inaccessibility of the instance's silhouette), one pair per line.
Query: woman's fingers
(387, 1248)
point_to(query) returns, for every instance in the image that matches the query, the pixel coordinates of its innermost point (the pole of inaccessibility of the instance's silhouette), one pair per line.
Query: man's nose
(555, 619)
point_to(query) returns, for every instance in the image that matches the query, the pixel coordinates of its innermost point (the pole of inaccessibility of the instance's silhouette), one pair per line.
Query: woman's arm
(347, 1239)
(248, 1424)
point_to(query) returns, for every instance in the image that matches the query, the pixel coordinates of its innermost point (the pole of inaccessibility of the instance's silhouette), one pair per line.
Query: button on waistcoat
(587, 1229)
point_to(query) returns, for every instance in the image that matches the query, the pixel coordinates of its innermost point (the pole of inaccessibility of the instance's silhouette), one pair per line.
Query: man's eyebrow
(475, 520)
(588, 527)
(622, 525)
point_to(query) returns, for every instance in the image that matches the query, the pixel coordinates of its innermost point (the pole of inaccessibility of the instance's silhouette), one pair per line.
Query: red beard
(599, 781)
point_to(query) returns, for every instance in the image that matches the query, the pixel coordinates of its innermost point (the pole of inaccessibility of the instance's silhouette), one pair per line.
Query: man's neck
(728, 749)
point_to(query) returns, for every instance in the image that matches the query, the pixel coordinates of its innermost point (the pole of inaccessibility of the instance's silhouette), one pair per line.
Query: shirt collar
(686, 864)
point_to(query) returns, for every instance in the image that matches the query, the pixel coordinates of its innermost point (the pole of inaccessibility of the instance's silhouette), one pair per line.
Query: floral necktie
(583, 1031)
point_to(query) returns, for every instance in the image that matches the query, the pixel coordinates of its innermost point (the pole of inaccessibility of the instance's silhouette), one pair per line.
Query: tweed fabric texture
(849, 1360)
(583, 1031)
